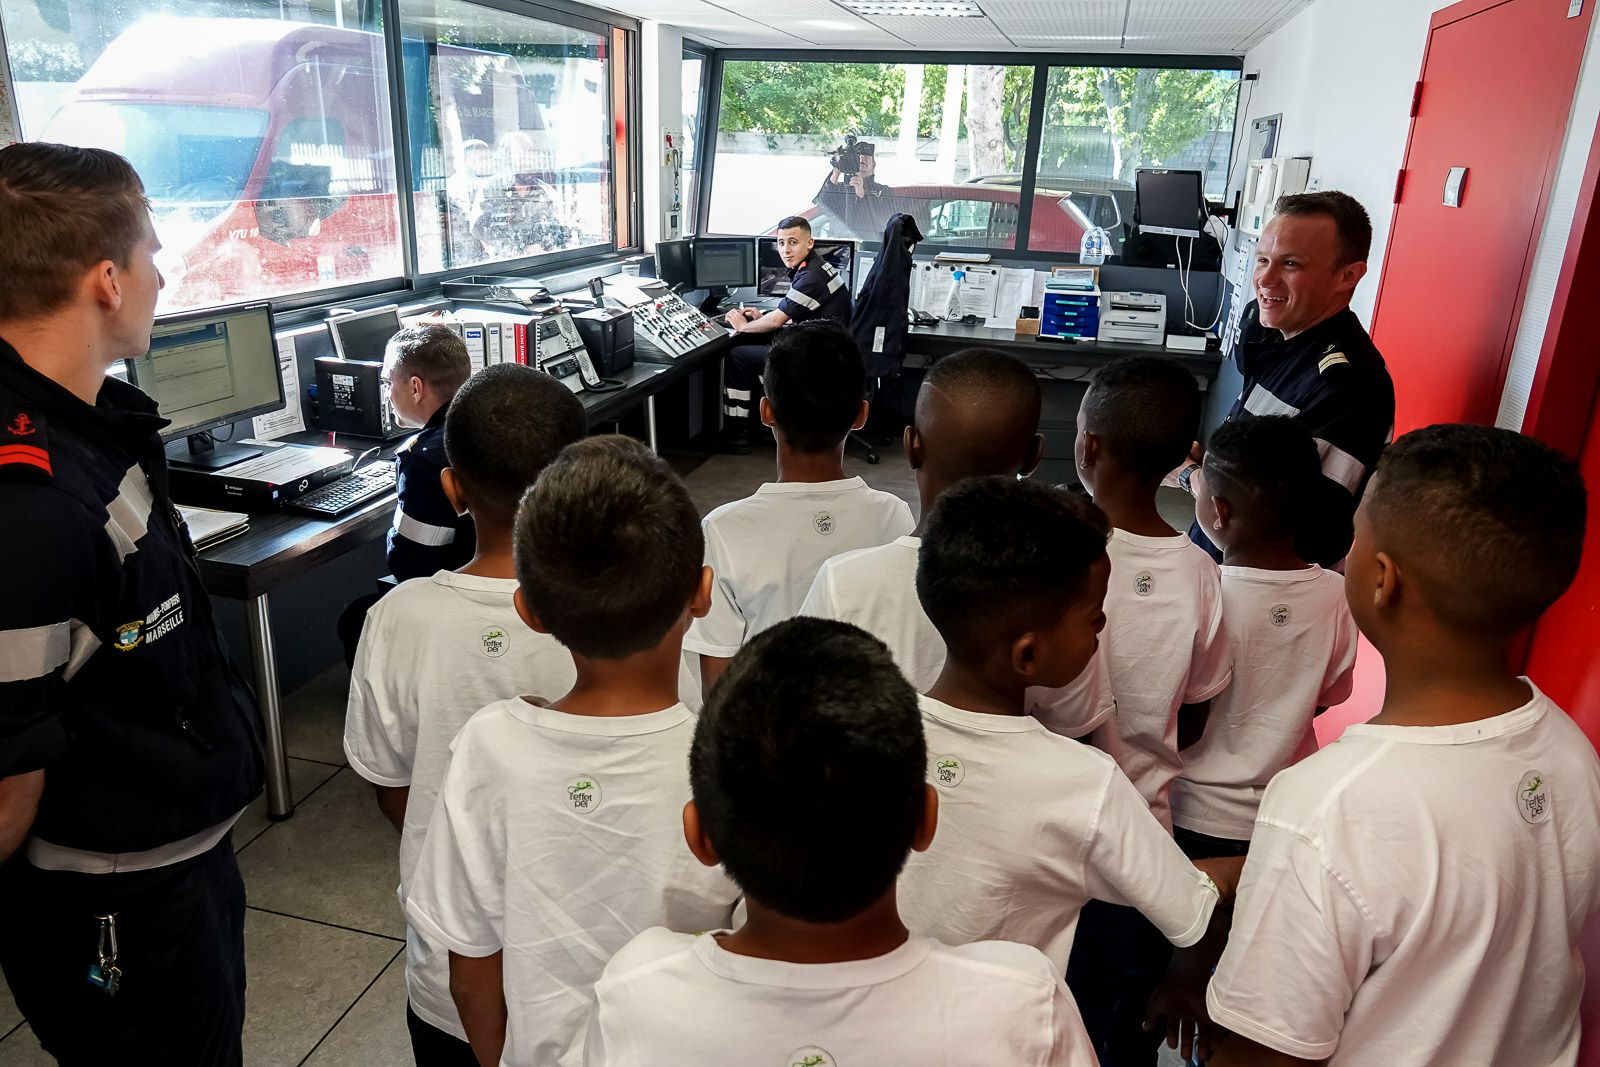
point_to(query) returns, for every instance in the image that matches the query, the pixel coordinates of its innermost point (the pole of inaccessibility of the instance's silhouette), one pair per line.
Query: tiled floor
(324, 936)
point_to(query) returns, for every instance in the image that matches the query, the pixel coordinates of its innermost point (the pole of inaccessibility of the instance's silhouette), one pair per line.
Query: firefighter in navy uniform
(1304, 354)
(129, 743)
(816, 291)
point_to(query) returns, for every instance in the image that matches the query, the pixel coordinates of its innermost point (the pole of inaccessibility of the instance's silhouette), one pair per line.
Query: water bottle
(1092, 247)
(952, 310)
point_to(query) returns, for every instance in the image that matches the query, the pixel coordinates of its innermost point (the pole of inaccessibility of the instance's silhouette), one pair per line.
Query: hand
(750, 314)
(734, 318)
(858, 182)
(1179, 1005)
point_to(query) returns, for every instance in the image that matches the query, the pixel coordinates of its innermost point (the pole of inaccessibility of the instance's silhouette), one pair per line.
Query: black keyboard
(342, 494)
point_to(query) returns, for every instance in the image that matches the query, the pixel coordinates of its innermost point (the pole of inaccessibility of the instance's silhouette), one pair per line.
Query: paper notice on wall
(10, 117)
(1015, 290)
(287, 419)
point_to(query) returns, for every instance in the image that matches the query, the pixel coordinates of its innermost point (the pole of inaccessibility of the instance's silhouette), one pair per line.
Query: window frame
(1042, 63)
(704, 53)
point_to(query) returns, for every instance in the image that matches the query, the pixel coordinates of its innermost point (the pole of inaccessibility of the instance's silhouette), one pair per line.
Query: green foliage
(1151, 114)
(39, 61)
(813, 98)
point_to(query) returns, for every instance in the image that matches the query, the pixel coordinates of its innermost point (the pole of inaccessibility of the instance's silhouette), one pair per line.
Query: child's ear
(1034, 457)
(861, 416)
(1091, 448)
(700, 604)
(695, 835)
(766, 413)
(454, 491)
(930, 819)
(1388, 586)
(911, 440)
(1025, 654)
(1224, 513)
(525, 613)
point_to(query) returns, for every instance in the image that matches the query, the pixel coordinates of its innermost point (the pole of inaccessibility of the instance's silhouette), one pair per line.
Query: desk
(280, 546)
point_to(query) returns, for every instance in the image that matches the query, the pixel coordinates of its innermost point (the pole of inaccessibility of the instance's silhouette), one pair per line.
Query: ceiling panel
(1090, 20)
(947, 33)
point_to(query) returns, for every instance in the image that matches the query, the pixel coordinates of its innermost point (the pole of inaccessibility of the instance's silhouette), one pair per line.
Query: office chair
(878, 318)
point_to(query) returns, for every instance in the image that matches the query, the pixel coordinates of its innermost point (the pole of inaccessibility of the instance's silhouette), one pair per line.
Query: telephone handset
(574, 343)
(562, 353)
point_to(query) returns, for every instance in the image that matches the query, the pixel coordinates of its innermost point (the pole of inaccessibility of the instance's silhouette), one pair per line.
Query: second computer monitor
(774, 276)
(724, 262)
(364, 335)
(1170, 201)
(675, 263)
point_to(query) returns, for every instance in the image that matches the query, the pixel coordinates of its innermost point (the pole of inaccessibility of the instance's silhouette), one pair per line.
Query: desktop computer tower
(350, 399)
(608, 335)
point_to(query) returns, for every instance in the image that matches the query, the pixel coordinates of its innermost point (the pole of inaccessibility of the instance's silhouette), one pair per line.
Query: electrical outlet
(1314, 184)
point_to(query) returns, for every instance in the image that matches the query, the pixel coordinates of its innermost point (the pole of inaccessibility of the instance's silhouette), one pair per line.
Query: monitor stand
(714, 297)
(200, 452)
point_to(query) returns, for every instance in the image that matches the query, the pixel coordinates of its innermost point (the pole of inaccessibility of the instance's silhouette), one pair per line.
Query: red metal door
(1496, 89)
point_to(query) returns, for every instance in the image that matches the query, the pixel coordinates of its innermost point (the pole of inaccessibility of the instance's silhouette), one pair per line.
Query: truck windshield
(192, 159)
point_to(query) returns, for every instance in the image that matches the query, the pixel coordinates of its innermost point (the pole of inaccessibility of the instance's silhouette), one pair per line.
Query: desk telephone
(560, 352)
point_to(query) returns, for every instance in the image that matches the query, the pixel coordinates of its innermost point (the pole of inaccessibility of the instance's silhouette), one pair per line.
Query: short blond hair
(62, 210)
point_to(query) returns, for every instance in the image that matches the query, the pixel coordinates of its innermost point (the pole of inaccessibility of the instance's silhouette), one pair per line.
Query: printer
(1137, 317)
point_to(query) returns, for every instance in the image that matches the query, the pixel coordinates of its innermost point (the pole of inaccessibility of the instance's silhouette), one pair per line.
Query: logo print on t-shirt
(823, 522)
(1533, 798)
(811, 1056)
(948, 771)
(1144, 583)
(1280, 614)
(583, 794)
(494, 642)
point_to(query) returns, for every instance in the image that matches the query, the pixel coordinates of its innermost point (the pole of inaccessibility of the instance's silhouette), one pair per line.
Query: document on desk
(281, 464)
(1014, 291)
(287, 419)
(931, 284)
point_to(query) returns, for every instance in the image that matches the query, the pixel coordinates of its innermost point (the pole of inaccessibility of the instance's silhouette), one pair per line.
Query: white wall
(661, 108)
(1341, 74)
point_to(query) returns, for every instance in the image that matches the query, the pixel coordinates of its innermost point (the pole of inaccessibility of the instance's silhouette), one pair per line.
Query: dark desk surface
(284, 544)
(934, 342)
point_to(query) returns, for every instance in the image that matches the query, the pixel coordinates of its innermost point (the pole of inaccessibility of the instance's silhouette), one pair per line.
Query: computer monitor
(675, 263)
(724, 262)
(1171, 202)
(364, 334)
(206, 370)
(773, 277)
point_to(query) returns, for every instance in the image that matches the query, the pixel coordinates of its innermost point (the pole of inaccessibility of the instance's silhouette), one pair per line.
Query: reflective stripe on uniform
(1341, 466)
(803, 300)
(33, 652)
(736, 394)
(423, 533)
(1262, 402)
(835, 280)
(738, 411)
(128, 516)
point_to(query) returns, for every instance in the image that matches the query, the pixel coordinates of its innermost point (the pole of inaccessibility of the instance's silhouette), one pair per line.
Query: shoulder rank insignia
(24, 451)
(1333, 359)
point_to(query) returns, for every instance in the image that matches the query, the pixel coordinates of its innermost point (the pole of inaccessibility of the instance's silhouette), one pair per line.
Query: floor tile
(305, 776)
(303, 976)
(374, 1030)
(21, 1049)
(336, 861)
(313, 717)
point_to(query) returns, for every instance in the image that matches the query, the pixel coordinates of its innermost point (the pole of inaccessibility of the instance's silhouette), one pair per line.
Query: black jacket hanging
(879, 320)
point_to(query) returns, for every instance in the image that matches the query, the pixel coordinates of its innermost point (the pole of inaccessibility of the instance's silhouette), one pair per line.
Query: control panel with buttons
(673, 326)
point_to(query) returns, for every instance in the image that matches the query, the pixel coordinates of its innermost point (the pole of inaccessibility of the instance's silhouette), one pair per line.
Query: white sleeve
(1339, 680)
(1070, 1045)
(904, 521)
(594, 1046)
(1076, 709)
(721, 633)
(1132, 860)
(819, 601)
(456, 895)
(380, 722)
(1299, 949)
(1211, 661)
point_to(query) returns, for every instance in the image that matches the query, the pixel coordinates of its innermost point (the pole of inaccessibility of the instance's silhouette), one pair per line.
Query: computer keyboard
(342, 494)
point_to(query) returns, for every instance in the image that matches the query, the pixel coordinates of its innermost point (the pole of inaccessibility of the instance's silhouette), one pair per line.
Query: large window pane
(510, 134)
(263, 140)
(694, 69)
(1101, 124)
(947, 143)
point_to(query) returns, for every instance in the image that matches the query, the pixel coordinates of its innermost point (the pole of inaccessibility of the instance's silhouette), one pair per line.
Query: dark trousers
(1118, 958)
(1198, 846)
(741, 387)
(433, 1047)
(180, 939)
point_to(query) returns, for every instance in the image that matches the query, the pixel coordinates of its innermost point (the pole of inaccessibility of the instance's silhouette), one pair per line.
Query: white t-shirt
(433, 652)
(1031, 826)
(555, 840)
(675, 999)
(1414, 897)
(1294, 650)
(1165, 647)
(764, 552)
(876, 589)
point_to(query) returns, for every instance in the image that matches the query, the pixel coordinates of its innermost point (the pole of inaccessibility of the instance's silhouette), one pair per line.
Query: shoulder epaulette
(1331, 357)
(24, 445)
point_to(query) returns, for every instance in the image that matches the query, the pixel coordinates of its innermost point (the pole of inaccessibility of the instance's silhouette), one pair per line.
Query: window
(849, 144)
(694, 72)
(264, 142)
(510, 134)
(1101, 124)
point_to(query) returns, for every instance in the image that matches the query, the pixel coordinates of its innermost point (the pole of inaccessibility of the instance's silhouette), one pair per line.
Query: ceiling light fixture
(955, 9)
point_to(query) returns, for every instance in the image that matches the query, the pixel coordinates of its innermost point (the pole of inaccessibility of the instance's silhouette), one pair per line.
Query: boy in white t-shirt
(437, 649)
(766, 548)
(1292, 637)
(1033, 824)
(1164, 647)
(808, 771)
(557, 835)
(1416, 890)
